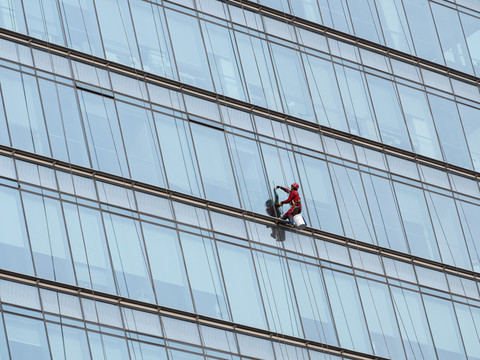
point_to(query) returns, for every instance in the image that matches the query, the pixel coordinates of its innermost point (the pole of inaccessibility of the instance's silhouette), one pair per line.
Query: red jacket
(293, 198)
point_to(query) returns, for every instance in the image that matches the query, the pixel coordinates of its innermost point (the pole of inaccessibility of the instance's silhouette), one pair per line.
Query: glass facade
(140, 140)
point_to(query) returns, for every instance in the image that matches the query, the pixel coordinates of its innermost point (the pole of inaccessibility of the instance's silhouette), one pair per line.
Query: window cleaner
(292, 216)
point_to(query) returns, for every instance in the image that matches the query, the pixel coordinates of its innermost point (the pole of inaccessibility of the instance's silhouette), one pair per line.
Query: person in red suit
(294, 201)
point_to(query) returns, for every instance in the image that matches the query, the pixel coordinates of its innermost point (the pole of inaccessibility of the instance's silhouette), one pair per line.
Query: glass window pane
(4, 355)
(469, 215)
(423, 30)
(189, 50)
(12, 16)
(108, 347)
(258, 70)
(141, 144)
(152, 36)
(178, 154)
(419, 122)
(67, 342)
(359, 110)
(450, 132)
(15, 252)
(469, 321)
(381, 320)
(394, 25)
(89, 248)
(448, 230)
(416, 220)
(48, 238)
(24, 112)
(470, 116)
(128, 257)
(205, 279)
(347, 311)
(242, 287)
(215, 165)
(313, 303)
(325, 93)
(364, 19)
(471, 30)
(63, 122)
(26, 338)
(452, 38)
(292, 82)
(385, 213)
(117, 32)
(43, 20)
(103, 134)
(81, 26)
(146, 351)
(413, 324)
(389, 115)
(224, 60)
(168, 268)
(250, 172)
(276, 288)
(443, 324)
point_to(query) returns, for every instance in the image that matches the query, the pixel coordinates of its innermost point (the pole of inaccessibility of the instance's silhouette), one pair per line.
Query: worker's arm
(289, 200)
(284, 189)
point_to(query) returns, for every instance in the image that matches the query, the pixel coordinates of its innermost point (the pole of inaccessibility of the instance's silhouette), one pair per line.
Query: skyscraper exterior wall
(140, 141)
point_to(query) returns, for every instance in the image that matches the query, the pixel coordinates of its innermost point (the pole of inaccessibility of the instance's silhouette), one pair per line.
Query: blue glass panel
(103, 134)
(443, 324)
(12, 17)
(48, 238)
(43, 20)
(117, 32)
(67, 342)
(189, 50)
(394, 25)
(313, 303)
(413, 324)
(63, 122)
(106, 347)
(215, 165)
(325, 93)
(205, 279)
(422, 28)
(347, 311)
(307, 9)
(419, 122)
(26, 338)
(281, 5)
(469, 215)
(89, 248)
(319, 197)
(168, 268)
(178, 154)
(146, 351)
(365, 21)
(258, 70)
(224, 61)
(242, 287)
(452, 38)
(4, 134)
(389, 115)
(471, 30)
(128, 257)
(141, 144)
(469, 321)
(352, 204)
(416, 220)
(153, 39)
(3, 343)
(15, 252)
(359, 110)
(381, 320)
(81, 26)
(278, 297)
(24, 112)
(470, 116)
(292, 82)
(250, 173)
(448, 230)
(385, 213)
(335, 14)
(280, 165)
(450, 132)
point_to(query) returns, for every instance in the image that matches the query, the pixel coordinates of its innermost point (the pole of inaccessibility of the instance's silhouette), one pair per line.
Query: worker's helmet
(295, 186)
